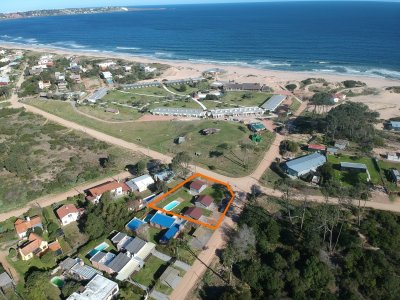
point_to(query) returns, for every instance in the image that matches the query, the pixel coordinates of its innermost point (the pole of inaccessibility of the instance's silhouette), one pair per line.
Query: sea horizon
(277, 36)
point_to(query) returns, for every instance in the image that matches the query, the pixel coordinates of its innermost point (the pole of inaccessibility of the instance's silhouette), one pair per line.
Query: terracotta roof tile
(107, 187)
(65, 210)
(197, 184)
(194, 212)
(206, 200)
(22, 226)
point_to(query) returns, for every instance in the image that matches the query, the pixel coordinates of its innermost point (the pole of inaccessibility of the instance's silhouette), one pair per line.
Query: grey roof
(120, 261)
(177, 81)
(395, 173)
(85, 271)
(118, 237)
(140, 85)
(135, 245)
(307, 162)
(272, 103)
(351, 165)
(68, 263)
(100, 93)
(239, 110)
(5, 279)
(177, 111)
(98, 256)
(170, 277)
(332, 149)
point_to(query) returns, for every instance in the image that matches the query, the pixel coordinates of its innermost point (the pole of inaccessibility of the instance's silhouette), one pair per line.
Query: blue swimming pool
(170, 206)
(98, 248)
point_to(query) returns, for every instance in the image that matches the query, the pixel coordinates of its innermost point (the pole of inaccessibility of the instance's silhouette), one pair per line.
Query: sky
(24, 5)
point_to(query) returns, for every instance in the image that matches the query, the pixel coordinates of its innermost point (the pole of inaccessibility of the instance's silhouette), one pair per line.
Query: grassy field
(239, 158)
(152, 270)
(245, 98)
(351, 178)
(41, 157)
(125, 113)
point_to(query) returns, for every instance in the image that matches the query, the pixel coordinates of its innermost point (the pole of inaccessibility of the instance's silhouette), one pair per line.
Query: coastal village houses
(68, 213)
(115, 188)
(34, 246)
(22, 226)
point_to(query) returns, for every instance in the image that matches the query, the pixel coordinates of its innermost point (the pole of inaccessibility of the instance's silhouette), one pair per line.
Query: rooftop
(306, 162)
(353, 165)
(197, 184)
(99, 288)
(206, 200)
(162, 220)
(194, 212)
(107, 187)
(135, 245)
(66, 209)
(272, 103)
(182, 111)
(22, 226)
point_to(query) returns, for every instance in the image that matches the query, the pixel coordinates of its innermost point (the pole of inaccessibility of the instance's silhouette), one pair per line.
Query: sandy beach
(388, 104)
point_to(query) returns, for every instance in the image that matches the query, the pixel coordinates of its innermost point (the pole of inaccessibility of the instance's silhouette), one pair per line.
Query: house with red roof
(194, 212)
(115, 188)
(22, 226)
(34, 246)
(197, 186)
(68, 213)
(316, 148)
(204, 201)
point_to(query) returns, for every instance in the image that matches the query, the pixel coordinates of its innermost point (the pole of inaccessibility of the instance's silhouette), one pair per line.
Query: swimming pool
(57, 281)
(170, 206)
(98, 248)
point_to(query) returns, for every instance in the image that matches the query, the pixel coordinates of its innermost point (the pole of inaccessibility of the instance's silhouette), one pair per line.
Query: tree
(141, 167)
(93, 225)
(38, 287)
(291, 87)
(180, 163)
(160, 186)
(48, 259)
(69, 288)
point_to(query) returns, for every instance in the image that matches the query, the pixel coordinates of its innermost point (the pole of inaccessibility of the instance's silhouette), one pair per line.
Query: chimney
(28, 219)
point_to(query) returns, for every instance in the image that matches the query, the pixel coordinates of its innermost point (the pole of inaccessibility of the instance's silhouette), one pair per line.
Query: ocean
(359, 38)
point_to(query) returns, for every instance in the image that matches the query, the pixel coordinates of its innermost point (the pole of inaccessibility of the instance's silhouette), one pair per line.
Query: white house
(107, 75)
(106, 64)
(99, 288)
(140, 183)
(44, 84)
(68, 213)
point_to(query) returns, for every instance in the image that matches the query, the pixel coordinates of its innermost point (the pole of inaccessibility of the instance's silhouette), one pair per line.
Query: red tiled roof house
(117, 189)
(197, 186)
(194, 212)
(22, 226)
(34, 246)
(204, 201)
(68, 213)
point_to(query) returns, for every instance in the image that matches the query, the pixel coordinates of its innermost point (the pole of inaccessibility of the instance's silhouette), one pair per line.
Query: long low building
(97, 95)
(236, 112)
(273, 103)
(304, 165)
(178, 112)
(99, 288)
(140, 85)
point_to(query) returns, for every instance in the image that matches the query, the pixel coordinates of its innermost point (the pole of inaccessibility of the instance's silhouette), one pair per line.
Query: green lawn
(385, 166)
(125, 113)
(22, 266)
(245, 98)
(160, 136)
(151, 271)
(162, 288)
(294, 106)
(269, 178)
(350, 178)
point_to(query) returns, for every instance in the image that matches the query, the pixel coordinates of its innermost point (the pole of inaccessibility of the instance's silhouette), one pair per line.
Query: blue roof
(272, 103)
(162, 220)
(170, 233)
(135, 223)
(306, 163)
(395, 123)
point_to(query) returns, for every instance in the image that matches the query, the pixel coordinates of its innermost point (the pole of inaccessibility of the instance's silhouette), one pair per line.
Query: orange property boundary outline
(196, 175)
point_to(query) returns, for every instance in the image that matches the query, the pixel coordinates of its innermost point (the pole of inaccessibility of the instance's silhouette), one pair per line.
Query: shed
(197, 186)
(140, 183)
(256, 127)
(356, 167)
(170, 277)
(305, 164)
(204, 201)
(273, 103)
(341, 144)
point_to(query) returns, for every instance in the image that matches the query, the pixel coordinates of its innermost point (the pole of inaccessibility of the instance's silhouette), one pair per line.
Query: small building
(171, 233)
(180, 140)
(106, 75)
(393, 157)
(99, 288)
(257, 127)
(101, 260)
(165, 175)
(76, 77)
(304, 165)
(68, 213)
(335, 98)
(115, 188)
(77, 269)
(353, 167)
(194, 212)
(316, 148)
(4, 80)
(114, 111)
(34, 246)
(44, 85)
(332, 150)
(162, 221)
(256, 138)
(394, 175)
(394, 125)
(60, 77)
(341, 144)
(209, 131)
(6, 283)
(170, 277)
(204, 201)
(233, 86)
(273, 103)
(106, 64)
(22, 226)
(97, 95)
(141, 183)
(178, 112)
(197, 186)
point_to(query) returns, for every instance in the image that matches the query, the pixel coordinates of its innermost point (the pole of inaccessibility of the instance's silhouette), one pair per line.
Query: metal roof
(353, 165)
(238, 110)
(5, 279)
(306, 163)
(97, 95)
(135, 245)
(170, 233)
(162, 220)
(395, 123)
(181, 111)
(119, 262)
(272, 103)
(84, 271)
(118, 237)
